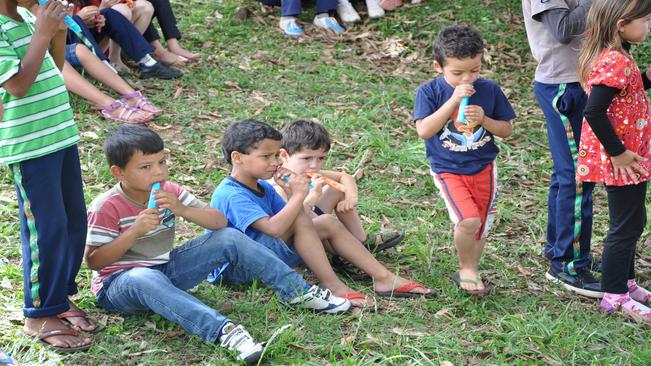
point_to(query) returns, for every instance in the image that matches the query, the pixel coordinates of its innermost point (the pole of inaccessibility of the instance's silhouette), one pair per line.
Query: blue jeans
(280, 249)
(162, 288)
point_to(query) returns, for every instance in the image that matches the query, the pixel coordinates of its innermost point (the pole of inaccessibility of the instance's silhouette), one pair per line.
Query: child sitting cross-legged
(253, 206)
(305, 146)
(136, 268)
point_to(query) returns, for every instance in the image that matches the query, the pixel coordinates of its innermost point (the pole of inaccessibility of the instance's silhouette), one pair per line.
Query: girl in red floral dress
(615, 140)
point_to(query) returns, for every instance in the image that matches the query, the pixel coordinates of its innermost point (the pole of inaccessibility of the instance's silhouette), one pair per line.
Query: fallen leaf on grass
(408, 332)
(135, 354)
(307, 347)
(347, 340)
(524, 271)
(443, 312)
(177, 93)
(446, 363)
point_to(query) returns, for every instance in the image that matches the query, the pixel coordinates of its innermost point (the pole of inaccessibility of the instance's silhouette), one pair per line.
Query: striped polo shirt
(113, 212)
(40, 122)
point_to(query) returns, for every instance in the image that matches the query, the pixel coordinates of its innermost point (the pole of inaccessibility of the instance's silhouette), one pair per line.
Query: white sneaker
(327, 22)
(346, 11)
(374, 9)
(322, 301)
(238, 339)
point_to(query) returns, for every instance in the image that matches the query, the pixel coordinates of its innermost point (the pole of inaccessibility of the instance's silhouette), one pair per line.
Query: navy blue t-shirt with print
(460, 148)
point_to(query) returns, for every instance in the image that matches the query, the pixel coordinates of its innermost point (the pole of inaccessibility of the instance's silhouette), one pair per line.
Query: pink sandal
(143, 103)
(127, 113)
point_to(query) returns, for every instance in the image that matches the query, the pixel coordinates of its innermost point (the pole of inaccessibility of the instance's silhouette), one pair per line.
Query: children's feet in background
(290, 26)
(236, 338)
(346, 11)
(390, 4)
(118, 111)
(374, 9)
(137, 100)
(174, 47)
(159, 71)
(327, 22)
(637, 293)
(322, 301)
(623, 304)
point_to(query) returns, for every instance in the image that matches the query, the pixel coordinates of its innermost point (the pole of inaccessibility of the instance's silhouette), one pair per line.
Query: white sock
(322, 15)
(147, 61)
(108, 64)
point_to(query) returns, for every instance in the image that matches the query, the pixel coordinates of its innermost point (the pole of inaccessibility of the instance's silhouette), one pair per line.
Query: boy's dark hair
(243, 136)
(302, 134)
(458, 41)
(120, 145)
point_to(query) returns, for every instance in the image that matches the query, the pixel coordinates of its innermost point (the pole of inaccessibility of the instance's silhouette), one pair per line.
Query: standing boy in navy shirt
(462, 154)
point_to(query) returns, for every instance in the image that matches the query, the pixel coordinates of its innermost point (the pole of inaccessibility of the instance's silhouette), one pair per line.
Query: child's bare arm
(475, 113)
(206, 217)
(350, 196)
(48, 20)
(58, 48)
(99, 257)
(432, 124)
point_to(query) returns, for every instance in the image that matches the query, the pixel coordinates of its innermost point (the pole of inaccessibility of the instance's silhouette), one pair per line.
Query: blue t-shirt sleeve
(244, 211)
(277, 202)
(425, 103)
(503, 109)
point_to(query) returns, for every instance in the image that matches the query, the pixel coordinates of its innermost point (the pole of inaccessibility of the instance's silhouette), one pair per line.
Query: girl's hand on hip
(626, 164)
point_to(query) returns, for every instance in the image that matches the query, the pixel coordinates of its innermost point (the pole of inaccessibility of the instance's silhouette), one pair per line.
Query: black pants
(163, 12)
(627, 220)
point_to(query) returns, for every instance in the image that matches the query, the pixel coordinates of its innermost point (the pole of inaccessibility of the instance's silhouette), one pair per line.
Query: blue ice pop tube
(152, 199)
(461, 115)
(68, 20)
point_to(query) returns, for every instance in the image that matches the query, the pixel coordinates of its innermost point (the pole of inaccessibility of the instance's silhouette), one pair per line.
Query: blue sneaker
(290, 26)
(327, 22)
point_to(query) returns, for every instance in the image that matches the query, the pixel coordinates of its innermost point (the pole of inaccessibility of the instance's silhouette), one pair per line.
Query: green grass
(364, 96)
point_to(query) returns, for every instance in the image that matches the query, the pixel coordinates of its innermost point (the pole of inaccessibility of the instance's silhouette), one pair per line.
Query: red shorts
(468, 196)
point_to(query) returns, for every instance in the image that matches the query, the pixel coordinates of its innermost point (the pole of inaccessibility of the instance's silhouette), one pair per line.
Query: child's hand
(625, 164)
(87, 14)
(146, 221)
(170, 201)
(314, 194)
(100, 21)
(475, 114)
(108, 3)
(347, 204)
(49, 18)
(462, 91)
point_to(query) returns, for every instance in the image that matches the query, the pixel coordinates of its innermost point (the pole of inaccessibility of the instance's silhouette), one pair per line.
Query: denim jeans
(277, 246)
(162, 288)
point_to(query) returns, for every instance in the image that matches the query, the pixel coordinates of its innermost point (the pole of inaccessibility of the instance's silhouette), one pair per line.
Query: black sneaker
(159, 71)
(583, 283)
(594, 264)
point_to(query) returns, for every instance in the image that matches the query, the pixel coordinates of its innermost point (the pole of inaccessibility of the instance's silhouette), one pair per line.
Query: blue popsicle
(152, 200)
(68, 20)
(461, 115)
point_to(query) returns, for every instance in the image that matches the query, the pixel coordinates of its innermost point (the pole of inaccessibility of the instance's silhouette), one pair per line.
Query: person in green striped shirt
(38, 142)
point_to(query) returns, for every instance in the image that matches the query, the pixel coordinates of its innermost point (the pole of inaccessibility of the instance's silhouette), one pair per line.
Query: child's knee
(124, 10)
(144, 8)
(328, 224)
(144, 278)
(469, 225)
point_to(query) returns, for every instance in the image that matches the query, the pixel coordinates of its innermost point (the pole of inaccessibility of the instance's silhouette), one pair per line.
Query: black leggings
(163, 12)
(627, 220)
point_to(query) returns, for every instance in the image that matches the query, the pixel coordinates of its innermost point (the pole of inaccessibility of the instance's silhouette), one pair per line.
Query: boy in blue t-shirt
(462, 153)
(252, 205)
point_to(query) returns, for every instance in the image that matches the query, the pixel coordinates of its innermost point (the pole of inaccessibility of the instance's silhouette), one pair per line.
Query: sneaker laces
(585, 275)
(236, 338)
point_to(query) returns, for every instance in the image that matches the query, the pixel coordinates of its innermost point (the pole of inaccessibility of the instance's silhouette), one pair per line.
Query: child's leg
(328, 203)
(49, 262)
(309, 247)
(627, 220)
(190, 264)
(80, 86)
(142, 289)
(469, 250)
(97, 69)
(344, 244)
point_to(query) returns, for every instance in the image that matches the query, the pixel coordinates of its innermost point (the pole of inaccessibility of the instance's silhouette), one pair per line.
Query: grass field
(361, 87)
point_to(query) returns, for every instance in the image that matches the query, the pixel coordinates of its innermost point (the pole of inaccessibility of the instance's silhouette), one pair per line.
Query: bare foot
(80, 322)
(394, 282)
(169, 58)
(183, 52)
(343, 290)
(470, 280)
(35, 326)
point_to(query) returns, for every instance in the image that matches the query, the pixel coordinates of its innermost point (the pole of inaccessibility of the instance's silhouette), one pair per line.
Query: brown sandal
(42, 336)
(81, 314)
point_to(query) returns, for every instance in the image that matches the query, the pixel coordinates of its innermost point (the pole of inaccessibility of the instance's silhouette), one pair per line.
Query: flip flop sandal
(383, 240)
(489, 287)
(81, 314)
(343, 266)
(405, 292)
(41, 338)
(358, 295)
(143, 102)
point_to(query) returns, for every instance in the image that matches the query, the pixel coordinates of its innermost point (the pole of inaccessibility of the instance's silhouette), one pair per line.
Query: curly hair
(458, 41)
(243, 136)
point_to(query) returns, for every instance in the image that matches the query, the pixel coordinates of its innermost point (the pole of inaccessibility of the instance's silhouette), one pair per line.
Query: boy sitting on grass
(304, 149)
(129, 246)
(462, 153)
(253, 206)
(305, 146)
